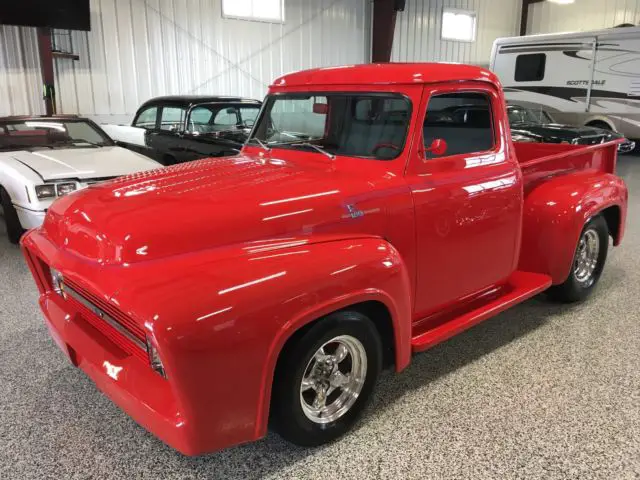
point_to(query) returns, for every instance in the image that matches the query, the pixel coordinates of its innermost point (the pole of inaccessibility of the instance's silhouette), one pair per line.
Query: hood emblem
(353, 212)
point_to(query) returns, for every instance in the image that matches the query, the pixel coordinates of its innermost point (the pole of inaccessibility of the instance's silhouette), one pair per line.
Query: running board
(520, 287)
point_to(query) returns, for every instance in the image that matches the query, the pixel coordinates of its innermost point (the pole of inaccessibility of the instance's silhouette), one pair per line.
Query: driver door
(467, 200)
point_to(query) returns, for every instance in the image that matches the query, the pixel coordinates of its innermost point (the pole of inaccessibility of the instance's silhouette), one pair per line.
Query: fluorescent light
(561, 2)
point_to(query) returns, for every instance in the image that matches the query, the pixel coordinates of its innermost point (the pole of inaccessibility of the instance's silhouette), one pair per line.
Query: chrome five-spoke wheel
(586, 258)
(325, 376)
(588, 262)
(333, 379)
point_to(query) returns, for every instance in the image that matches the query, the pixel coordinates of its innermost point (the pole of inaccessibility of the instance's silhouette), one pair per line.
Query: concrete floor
(542, 391)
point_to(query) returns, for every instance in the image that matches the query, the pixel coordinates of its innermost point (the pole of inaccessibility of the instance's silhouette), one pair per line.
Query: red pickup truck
(366, 218)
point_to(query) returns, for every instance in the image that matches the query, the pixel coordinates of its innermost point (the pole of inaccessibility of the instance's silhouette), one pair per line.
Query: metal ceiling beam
(524, 14)
(384, 25)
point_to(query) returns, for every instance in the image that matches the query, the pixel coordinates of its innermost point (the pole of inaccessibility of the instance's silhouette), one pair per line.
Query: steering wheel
(386, 145)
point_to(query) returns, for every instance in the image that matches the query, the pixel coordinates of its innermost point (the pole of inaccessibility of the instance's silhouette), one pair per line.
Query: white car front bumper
(30, 218)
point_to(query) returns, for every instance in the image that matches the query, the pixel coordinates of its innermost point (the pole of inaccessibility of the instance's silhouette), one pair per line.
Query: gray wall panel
(138, 49)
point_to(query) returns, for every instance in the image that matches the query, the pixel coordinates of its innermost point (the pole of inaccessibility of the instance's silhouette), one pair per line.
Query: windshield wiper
(261, 143)
(314, 146)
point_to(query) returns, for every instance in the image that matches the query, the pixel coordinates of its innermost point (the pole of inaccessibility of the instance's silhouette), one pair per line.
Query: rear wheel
(14, 229)
(325, 378)
(588, 262)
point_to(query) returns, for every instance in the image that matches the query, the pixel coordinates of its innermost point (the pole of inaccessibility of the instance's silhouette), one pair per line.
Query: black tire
(14, 229)
(573, 289)
(287, 415)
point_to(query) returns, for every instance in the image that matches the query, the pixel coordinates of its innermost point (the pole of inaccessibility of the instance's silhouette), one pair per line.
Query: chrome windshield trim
(67, 290)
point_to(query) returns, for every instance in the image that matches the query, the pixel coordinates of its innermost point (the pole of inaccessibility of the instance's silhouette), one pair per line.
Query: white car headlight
(65, 188)
(45, 191)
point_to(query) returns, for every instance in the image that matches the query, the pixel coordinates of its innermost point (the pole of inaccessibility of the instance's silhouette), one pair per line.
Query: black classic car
(536, 125)
(178, 129)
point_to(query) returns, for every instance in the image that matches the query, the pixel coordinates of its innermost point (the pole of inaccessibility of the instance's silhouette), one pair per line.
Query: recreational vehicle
(557, 72)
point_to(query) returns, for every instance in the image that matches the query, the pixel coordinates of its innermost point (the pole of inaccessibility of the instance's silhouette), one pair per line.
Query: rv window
(530, 67)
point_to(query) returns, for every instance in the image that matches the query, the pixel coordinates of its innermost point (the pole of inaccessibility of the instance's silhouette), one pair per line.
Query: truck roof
(386, 74)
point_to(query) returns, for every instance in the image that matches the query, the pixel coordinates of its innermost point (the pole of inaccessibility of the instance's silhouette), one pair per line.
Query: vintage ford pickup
(356, 227)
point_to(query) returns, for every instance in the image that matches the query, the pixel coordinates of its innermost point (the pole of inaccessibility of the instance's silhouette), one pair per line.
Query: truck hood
(233, 201)
(84, 163)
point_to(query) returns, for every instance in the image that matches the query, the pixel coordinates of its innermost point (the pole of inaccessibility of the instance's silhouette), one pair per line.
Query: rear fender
(555, 213)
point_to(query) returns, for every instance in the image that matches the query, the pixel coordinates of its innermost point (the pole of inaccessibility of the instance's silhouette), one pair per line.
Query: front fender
(555, 213)
(221, 322)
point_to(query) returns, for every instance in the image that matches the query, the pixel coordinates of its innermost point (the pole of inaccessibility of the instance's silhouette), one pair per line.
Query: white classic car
(43, 158)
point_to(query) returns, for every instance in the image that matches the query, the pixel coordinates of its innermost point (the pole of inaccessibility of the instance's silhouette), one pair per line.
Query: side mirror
(438, 147)
(320, 108)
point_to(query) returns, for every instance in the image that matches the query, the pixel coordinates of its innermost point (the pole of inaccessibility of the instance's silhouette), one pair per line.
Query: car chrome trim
(67, 290)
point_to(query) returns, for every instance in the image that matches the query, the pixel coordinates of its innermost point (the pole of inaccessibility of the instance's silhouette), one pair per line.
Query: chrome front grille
(112, 323)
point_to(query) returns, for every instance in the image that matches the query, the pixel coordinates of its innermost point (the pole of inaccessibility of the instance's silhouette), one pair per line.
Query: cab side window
(199, 120)
(147, 118)
(172, 118)
(463, 120)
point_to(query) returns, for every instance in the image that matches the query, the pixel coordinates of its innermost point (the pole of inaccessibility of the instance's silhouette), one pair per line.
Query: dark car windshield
(51, 133)
(351, 124)
(527, 115)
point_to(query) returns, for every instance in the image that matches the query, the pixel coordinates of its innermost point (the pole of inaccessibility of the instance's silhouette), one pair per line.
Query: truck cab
(364, 220)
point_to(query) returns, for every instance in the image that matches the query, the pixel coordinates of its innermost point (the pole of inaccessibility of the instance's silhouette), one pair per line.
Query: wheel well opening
(612, 217)
(379, 314)
(376, 311)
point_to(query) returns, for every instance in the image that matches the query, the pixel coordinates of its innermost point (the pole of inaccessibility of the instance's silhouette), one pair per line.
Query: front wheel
(325, 378)
(588, 262)
(14, 228)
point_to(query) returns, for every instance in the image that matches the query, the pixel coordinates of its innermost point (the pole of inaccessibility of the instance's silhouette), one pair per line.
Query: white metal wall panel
(20, 79)
(419, 28)
(138, 49)
(582, 15)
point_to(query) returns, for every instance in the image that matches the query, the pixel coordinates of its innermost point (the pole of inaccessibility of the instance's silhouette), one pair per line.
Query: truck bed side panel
(562, 191)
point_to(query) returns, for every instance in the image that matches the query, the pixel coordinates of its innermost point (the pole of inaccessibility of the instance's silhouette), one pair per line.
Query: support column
(384, 25)
(524, 14)
(46, 67)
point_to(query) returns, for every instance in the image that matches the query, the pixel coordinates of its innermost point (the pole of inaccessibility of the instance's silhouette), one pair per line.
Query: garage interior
(543, 390)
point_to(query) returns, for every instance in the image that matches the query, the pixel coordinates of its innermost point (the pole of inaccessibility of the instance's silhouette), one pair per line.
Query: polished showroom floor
(543, 391)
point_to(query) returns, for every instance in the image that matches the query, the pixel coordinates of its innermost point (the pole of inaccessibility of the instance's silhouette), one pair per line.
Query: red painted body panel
(220, 261)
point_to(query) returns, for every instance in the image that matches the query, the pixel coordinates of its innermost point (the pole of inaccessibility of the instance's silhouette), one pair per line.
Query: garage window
(261, 10)
(458, 25)
(530, 67)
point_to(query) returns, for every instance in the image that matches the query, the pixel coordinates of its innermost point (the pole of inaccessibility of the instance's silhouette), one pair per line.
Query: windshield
(527, 115)
(51, 133)
(212, 118)
(351, 124)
